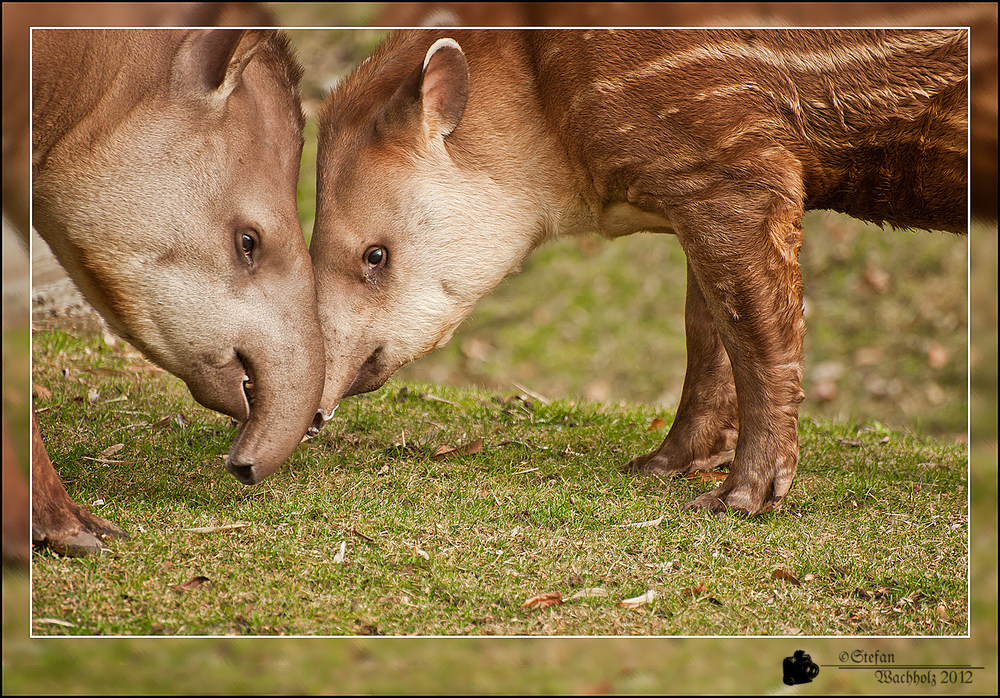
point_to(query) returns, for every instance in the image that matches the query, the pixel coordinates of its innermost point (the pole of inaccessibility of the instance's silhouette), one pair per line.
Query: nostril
(244, 472)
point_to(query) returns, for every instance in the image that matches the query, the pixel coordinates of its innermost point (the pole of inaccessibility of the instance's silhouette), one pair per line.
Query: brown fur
(153, 152)
(723, 137)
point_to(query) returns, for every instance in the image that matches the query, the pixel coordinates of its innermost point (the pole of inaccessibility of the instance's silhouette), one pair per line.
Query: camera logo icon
(799, 668)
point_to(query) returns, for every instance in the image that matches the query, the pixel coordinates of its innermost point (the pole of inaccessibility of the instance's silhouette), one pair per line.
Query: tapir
(448, 156)
(165, 165)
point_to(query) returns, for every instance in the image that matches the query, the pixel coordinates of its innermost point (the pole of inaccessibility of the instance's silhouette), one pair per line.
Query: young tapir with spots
(448, 156)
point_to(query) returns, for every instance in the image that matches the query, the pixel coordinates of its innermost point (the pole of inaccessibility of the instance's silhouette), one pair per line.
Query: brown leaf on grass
(442, 451)
(693, 591)
(42, 392)
(110, 451)
(471, 448)
(173, 421)
(190, 584)
(468, 449)
(785, 577)
(656, 424)
(549, 598)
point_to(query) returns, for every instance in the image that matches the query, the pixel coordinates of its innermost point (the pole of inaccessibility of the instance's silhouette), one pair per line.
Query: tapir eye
(247, 243)
(376, 256)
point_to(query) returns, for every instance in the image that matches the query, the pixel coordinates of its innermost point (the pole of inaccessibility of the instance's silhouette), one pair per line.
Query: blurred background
(889, 317)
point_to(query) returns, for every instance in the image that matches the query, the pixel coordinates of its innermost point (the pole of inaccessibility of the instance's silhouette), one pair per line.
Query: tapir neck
(77, 104)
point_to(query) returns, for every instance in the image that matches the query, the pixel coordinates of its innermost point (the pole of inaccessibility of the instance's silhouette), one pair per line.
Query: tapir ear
(210, 62)
(444, 87)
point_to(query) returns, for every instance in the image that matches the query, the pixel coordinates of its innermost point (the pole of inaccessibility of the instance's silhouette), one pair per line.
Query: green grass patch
(364, 531)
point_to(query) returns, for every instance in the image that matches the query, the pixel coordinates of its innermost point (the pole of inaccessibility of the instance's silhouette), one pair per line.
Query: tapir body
(448, 156)
(165, 165)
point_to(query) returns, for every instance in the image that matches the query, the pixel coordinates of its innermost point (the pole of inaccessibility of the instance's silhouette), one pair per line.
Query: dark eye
(375, 256)
(246, 242)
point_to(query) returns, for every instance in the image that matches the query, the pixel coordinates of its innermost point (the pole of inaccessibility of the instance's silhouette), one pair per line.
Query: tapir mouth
(248, 384)
(367, 379)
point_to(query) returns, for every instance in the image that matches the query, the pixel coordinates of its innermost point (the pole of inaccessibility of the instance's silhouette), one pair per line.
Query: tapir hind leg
(56, 520)
(742, 247)
(703, 435)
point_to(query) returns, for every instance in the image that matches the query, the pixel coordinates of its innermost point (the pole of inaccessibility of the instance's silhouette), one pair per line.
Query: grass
(456, 545)
(366, 480)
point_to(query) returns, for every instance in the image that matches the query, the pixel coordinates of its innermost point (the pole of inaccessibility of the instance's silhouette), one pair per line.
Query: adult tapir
(448, 156)
(165, 165)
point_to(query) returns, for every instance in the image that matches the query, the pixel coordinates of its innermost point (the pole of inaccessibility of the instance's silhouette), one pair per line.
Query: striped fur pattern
(721, 137)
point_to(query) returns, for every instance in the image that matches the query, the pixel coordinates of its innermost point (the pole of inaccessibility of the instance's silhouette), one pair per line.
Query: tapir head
(165, 168)
(412, 228)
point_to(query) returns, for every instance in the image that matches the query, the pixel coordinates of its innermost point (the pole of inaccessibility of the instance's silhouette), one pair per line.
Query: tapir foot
(687, 451)
(75, 532)
(748, 491)
(668, 464)
(57, 522)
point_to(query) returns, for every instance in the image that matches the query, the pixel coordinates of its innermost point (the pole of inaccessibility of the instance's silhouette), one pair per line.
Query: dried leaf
(468, 449)
(435, 398)
(656, 424)
(471, 448)
(42, 392)
(191, 584)
(173, 421)
(550, 598)
(638, 600)
(785, 577)
(110, 451)
(693, 591)
(589, 593)
(55, 621)
(442, 451)
(216, 529)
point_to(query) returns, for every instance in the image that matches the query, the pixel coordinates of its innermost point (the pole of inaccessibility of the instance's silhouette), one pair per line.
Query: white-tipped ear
(444, 89)
(210, 62)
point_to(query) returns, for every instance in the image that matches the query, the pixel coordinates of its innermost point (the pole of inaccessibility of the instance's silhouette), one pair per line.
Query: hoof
(84, 535)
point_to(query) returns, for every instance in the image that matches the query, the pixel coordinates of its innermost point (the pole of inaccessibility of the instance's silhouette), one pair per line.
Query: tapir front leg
(742, 247)
(57, 522)
(703, 435)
